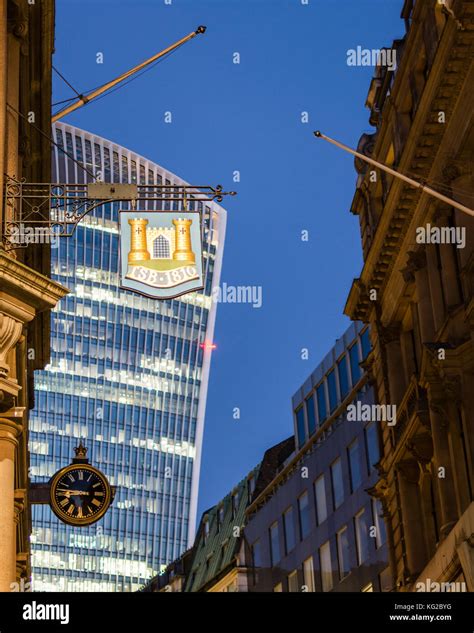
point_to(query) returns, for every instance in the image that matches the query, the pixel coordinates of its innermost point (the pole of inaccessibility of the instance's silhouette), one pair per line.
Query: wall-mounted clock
(80, 494)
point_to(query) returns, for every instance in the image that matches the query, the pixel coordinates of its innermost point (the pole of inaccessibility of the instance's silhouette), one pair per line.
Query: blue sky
(246, 117)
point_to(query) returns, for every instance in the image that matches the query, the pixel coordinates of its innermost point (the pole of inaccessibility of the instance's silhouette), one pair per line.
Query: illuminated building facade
(416, 292)
(129, 375)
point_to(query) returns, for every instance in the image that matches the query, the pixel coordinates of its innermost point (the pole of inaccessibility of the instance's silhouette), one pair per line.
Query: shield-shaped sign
(161, 253)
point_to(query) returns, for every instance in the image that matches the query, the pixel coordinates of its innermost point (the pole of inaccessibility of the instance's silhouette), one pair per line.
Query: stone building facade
(416, 292)
(26, 292)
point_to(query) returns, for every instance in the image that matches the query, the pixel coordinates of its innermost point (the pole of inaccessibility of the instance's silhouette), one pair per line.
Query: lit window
(308, 574)
(337, 483)
(321, 506)
(278, 588)
(293, 582)
(343, 552)
(368, 588)
(326, 566)
(380, 533)
(362, 536)
(289, 526)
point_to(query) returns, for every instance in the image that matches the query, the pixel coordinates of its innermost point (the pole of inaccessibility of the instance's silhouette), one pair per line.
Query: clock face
(80, 494)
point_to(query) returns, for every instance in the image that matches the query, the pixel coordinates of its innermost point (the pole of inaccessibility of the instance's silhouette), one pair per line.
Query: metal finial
(81, 450)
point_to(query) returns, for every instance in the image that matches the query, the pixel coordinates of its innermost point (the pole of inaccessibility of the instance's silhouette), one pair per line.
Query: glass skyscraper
(129, 376)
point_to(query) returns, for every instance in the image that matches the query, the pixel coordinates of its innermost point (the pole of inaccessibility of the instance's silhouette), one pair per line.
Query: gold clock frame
(74, 520)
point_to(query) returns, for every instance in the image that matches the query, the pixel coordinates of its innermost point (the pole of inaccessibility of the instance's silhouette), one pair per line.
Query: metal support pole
(83, 99)
(389, 170)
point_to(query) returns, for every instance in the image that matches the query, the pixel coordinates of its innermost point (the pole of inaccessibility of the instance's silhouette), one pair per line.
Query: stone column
(449, 272)
(442, 459)
(390, 337)
(408, 472)
(435, 286)
(425, 312)
(10, 430)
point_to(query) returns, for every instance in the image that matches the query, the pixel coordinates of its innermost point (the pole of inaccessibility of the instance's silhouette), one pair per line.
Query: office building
(314, 527)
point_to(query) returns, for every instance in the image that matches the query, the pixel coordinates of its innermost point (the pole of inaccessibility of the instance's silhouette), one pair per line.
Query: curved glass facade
(129, 376)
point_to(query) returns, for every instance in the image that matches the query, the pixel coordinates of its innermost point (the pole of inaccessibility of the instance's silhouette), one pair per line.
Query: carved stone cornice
(23, 291)
(439, 406)
(421, 447)
(409, 469)
(381, 489)
(389, 334)
(427, 141)
(416, 260)
(10, 332)
(358, 301)
(366, 147)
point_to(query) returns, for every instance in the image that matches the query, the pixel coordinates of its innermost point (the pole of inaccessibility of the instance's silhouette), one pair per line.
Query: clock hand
(73, 493)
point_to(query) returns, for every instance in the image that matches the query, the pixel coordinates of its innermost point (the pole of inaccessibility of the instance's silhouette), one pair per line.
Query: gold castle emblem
(161, 256)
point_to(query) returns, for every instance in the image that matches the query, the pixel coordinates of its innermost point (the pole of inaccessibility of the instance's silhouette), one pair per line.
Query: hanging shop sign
(161, 253)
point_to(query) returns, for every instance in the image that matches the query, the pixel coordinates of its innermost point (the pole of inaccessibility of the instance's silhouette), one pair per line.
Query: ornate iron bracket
(55, 209)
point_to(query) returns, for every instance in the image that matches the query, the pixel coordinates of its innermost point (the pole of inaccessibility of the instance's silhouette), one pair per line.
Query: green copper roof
(216, 552)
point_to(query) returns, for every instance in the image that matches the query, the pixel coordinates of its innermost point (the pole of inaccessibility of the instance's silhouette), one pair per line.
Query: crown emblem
(81, 451)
